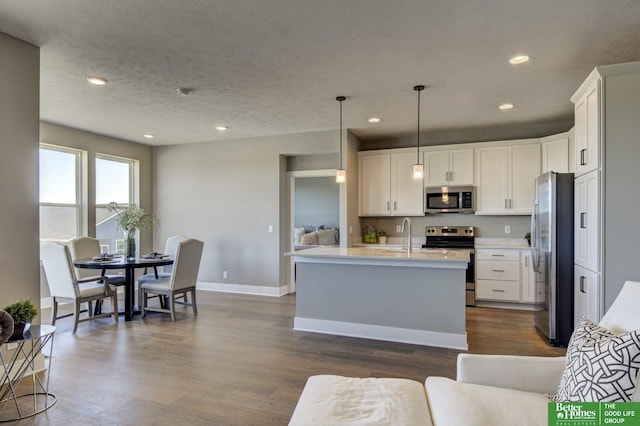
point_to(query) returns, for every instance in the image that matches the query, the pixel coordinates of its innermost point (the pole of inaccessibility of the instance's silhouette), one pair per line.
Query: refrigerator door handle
(535, 257)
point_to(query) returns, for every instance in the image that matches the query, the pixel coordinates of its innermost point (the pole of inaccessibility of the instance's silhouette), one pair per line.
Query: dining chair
(182, 280)
(170, 248)
(64, 285)
(86, 247)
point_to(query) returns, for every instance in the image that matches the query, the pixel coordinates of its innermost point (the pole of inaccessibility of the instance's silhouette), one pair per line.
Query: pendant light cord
(418, 89)
(340, 99)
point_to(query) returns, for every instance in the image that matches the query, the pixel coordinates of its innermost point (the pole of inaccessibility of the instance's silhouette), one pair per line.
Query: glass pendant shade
(418, 171)
(341, 176)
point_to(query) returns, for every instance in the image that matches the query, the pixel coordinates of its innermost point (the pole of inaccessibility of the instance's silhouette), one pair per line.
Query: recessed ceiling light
(98, 81)
(149, 135)
(374, 120)
(505, 106)
(222, 128)
(519, 59)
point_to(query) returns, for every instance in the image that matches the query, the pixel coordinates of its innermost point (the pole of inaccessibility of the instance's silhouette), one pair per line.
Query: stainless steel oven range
(452, 238)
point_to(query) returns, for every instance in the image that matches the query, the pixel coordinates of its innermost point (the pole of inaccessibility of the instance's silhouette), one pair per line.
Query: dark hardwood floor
(238, 362)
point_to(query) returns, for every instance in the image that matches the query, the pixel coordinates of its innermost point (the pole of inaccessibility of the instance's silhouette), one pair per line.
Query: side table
(18, 367)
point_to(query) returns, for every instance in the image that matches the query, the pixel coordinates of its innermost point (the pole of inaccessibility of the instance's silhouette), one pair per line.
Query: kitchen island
(383, 294)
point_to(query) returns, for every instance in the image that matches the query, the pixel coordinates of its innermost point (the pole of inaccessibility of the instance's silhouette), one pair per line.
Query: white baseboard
(505, 305)
(243, 289)
(378, 332)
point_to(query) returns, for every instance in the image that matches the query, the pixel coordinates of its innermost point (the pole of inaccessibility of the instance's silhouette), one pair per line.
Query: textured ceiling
(269, 67)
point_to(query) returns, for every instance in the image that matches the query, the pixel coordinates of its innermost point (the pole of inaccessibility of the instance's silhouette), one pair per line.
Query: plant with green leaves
(22, 311)
(132, 218)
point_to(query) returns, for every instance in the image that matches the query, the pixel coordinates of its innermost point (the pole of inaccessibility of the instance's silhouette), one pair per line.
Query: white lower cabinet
(498, 275)
(532, 286)
(586, 291)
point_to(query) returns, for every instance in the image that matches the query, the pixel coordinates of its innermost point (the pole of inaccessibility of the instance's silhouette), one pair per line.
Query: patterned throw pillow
(601, 366)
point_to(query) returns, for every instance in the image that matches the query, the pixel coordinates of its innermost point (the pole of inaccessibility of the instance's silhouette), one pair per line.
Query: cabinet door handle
(583, 220)
(498, 270)
(526, 261)
(497, 255)
(446, 176)
(450, 175)
(395, 205)
(506, 203)
(510, 203)
(582, 280)
(388, 205)
(583, 157)
(497, 291)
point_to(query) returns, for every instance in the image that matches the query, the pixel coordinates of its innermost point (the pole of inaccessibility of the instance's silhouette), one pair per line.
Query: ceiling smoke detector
(183, 91)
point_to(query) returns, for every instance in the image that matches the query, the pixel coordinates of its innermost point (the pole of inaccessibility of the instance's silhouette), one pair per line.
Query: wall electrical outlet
(225, 274)
(398, 228)
(271, 229)
(507, 229)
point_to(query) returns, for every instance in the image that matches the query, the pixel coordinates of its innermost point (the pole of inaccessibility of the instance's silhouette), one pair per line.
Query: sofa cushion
(600, 366)
(309, 239)
(337, 400)
(327, 236)
(297, 234)
(456, 403)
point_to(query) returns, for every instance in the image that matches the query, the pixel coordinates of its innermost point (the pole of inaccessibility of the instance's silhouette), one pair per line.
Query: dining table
(128, 265)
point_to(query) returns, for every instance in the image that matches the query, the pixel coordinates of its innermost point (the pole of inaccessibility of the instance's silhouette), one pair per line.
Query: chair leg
(114, 302)
(143, 302)
(76, 314)
(54, 311)
(193, 301)
(172, 307)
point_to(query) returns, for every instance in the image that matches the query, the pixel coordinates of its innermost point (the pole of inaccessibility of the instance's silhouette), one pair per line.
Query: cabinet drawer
(498, 255)
(498, 290)
(497, 270)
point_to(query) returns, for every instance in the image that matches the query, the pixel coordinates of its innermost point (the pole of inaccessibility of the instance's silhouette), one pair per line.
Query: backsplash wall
(486, 226)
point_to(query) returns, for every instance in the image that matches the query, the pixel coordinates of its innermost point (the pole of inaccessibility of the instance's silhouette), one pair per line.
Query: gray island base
(416, 298)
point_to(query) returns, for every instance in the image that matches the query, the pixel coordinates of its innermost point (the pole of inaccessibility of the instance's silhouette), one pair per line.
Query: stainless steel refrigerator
(552, 256)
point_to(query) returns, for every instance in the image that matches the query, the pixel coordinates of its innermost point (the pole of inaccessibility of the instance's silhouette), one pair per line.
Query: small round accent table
(23, 391)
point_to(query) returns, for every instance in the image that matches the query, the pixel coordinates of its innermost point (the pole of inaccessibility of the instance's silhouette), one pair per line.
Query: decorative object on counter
(418, 168)
(131, 219)
(370, 234)
(341, 174)
(382, 237)
(527, 237)
(22, 312)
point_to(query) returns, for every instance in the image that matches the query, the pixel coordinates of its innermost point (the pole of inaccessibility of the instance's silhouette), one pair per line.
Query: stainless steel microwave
(450, 199)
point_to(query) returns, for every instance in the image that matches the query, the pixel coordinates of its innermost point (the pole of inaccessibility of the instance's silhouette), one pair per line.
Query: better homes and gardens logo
(594, 413)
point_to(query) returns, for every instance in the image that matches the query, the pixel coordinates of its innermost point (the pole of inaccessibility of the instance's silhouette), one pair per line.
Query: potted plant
(382, 237)
(131, 219)
(22, 312)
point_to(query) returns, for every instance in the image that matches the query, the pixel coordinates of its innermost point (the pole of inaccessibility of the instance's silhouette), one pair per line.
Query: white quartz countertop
(419, 257)
(502, 243)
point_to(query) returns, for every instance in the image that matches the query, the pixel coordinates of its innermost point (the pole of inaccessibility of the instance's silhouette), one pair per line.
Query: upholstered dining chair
(182, 280)
(65, 285)
(85, 247)
(170, 248)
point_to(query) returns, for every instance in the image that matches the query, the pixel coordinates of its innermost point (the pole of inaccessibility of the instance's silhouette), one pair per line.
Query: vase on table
(130, 244)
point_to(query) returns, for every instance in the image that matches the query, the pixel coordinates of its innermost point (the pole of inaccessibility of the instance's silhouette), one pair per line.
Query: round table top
(120, 263)
(35, 332)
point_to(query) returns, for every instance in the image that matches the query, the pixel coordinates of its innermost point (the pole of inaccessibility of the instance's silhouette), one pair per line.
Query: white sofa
(489, 389)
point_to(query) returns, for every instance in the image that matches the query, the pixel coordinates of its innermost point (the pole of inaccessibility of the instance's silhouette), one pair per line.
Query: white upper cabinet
(587, 128)
(505, 178)
(449, 167)
(555, 153)
(386, 186)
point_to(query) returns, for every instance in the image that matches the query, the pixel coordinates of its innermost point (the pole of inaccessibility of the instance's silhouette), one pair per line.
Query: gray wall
(227, 194)
(317, 202)
(622, 184)
(19, 117)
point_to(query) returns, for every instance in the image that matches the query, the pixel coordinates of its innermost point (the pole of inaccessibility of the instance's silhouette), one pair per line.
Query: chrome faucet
(407, 221)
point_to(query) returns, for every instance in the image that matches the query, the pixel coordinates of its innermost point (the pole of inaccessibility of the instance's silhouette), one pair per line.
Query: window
(59, 193)
(114, 183)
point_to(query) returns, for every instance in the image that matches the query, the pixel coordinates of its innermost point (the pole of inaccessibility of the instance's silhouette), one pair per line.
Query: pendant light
(418, 169)
(341, 174)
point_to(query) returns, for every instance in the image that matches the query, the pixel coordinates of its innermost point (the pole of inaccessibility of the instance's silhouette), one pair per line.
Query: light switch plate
(507, 229)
